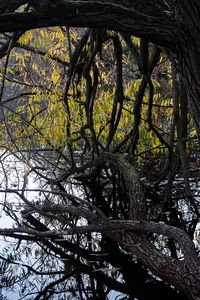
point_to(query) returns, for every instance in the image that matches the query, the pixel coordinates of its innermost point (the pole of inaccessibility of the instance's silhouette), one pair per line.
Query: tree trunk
(187, 16)
(185, 274)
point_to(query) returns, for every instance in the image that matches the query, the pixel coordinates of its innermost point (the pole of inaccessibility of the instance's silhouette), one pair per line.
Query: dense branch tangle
(93, 116)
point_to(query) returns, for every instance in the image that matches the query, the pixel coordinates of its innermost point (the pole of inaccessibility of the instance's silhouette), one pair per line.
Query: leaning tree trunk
(187, 16)
(183, 275)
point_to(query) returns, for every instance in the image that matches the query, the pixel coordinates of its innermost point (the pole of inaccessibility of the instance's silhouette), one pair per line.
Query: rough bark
(184, 275)
(133, 185)
(131, 234)
(182, 37)
(187, 16)
(94, 14)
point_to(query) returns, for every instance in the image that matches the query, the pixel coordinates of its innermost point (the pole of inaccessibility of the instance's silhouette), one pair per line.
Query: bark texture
(179, 32)
(187, 16)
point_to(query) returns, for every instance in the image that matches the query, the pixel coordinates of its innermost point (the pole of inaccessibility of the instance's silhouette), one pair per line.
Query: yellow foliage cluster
(41, 118)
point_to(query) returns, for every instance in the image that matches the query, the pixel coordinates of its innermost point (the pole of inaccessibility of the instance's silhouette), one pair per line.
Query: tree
(173, 29)
(103, 137)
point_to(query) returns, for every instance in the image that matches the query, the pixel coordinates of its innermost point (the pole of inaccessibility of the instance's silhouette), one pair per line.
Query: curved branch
(129, 234)
(133, 185)
(126, 225)
(161, 30)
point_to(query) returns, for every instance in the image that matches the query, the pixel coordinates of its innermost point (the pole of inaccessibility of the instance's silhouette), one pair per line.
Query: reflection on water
(31, 267)
(28, 266)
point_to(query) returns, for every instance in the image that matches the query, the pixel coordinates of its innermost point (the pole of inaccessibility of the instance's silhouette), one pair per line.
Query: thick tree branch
(161, 31)
(108, 226)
